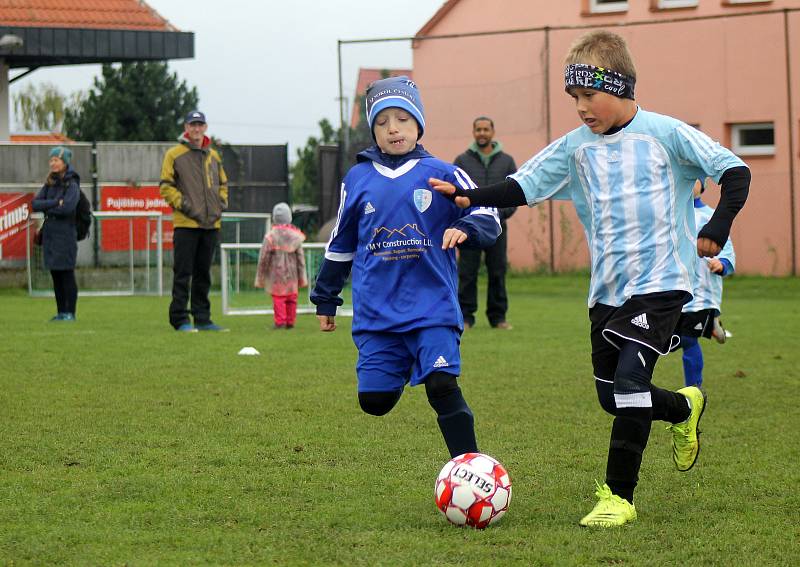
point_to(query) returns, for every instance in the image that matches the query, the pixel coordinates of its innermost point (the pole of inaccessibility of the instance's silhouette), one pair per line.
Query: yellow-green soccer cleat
(610, 510)
(686, 435)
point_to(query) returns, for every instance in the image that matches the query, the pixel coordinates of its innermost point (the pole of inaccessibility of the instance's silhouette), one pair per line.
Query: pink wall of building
(708, 72)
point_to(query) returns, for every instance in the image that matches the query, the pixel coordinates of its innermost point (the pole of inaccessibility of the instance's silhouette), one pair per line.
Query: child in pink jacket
(282, 266)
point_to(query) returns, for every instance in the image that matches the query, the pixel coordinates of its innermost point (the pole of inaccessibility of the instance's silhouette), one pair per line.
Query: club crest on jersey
(422, 199)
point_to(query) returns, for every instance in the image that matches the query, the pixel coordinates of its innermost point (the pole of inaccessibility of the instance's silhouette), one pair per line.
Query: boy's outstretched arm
(326, 294)
(453, 237)
(477, 230)
(735, 186)
(507, 193)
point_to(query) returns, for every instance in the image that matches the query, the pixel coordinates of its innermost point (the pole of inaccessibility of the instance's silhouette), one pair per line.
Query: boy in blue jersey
(630, 174)
(700, 317)
(396, 235)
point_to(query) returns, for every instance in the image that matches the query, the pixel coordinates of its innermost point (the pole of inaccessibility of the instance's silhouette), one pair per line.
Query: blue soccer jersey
(390, 226)
(632, 191)
(708, 287)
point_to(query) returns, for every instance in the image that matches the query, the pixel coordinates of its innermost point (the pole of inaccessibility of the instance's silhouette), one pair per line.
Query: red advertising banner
(15, 213)
(115, 233)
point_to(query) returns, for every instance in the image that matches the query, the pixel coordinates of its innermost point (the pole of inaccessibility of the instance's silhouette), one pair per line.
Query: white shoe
(719, 333)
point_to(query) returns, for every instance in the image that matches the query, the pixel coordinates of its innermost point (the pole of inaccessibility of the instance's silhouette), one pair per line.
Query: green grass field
(125, 443)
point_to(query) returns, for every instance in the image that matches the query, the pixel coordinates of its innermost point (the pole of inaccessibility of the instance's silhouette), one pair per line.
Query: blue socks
(692, 362)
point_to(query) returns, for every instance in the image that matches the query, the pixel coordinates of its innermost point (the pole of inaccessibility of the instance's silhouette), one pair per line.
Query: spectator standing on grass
(281, 266)
(397, 237)
(194, 184)
(630, 175)
(700, 317)
(486, 163)
(58, 200)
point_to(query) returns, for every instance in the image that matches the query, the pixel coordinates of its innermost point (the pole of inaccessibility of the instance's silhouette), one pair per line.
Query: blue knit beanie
(64, 154)
(400, 92)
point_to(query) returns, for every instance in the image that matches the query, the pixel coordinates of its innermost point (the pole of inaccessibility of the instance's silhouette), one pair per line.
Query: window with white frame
(603, 6)
(667, 4)
(756, 139)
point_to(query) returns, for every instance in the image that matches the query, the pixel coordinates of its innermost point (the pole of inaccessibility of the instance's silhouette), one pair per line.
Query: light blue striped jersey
(632, 191)
(708, 286)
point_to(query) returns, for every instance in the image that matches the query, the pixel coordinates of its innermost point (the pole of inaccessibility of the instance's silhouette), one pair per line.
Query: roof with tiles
(86, 14)
(39, 138)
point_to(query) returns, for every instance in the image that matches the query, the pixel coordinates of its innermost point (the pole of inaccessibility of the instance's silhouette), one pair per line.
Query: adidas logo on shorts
(641, 321)
(440, 362)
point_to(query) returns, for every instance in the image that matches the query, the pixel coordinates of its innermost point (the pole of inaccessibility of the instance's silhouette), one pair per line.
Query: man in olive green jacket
(194, 184)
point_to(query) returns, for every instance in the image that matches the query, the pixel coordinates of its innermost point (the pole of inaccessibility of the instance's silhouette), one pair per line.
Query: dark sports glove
(459, 192)
(735, 184)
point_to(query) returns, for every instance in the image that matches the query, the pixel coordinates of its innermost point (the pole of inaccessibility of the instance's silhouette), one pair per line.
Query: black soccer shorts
(697, 323)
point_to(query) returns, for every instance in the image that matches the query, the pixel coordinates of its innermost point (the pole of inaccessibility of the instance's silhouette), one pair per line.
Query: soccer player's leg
(453, 415)
(378, 403)
(611, 509)
(629, 434)
(438, 364)
(605, 358)
(692, 361)
(686, 434)
(684, 408)
(383, 368)
(718, 332)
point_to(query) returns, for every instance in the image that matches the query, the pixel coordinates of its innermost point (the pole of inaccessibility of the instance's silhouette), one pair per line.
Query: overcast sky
(266, 70)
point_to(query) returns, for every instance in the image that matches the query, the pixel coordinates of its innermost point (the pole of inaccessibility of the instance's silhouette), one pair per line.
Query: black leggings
(66, 289)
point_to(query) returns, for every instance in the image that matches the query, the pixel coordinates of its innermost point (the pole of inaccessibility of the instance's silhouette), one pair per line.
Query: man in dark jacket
(194, 184)
(486, 163)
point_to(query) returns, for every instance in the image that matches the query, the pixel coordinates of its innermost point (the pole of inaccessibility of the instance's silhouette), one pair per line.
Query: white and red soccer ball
(473, 490)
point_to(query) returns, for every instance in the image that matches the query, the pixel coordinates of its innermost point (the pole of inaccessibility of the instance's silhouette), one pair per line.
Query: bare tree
(43, 107)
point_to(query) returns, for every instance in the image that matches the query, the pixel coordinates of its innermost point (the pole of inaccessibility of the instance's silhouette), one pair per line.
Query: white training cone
(249, 351)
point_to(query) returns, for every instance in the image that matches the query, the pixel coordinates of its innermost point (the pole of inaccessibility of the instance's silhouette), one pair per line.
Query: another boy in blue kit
(397, 237)
(630, 174)
(700, 317)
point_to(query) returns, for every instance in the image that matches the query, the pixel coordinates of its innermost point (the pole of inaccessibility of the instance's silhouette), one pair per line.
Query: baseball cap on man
(400, 92)
(195, 116)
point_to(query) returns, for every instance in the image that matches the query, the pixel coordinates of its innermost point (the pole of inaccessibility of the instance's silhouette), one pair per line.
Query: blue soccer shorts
(388, 361)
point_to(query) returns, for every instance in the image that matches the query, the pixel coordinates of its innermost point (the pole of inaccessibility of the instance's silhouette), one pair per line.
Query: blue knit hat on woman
(399, 92)
(62, 153)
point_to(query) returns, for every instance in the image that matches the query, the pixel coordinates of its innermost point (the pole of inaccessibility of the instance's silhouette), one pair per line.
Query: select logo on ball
(470, 476)
(473, 490)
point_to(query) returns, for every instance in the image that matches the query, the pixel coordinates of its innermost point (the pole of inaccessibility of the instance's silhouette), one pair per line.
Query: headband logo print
(599, 78)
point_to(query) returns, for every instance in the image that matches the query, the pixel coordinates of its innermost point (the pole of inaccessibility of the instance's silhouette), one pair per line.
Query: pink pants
(285, 307)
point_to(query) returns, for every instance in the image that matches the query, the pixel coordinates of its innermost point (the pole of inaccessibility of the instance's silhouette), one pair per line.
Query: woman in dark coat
(58, 199)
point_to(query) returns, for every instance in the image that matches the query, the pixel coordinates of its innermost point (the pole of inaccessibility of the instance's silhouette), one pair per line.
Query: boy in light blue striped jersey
(700, 317)
(629, 173)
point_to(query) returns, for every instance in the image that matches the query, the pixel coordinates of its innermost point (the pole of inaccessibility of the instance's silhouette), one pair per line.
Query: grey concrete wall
(131, 162)
(5, 100)
(26, 164)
